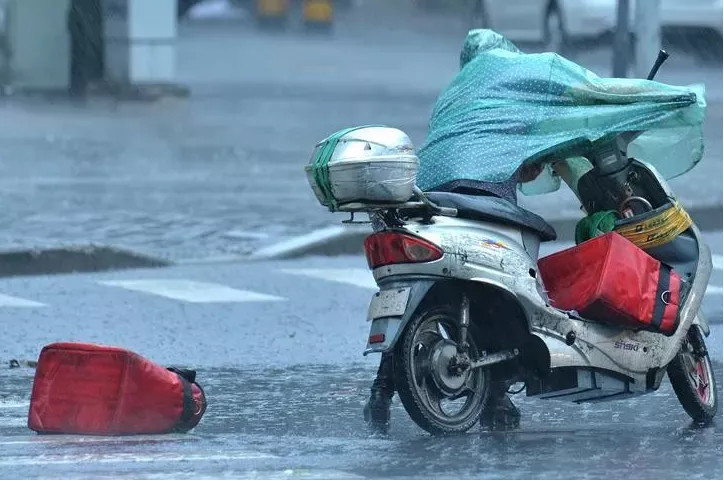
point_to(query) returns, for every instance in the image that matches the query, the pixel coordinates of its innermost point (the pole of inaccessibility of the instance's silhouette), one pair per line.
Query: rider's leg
(377, 409)
(499, 411)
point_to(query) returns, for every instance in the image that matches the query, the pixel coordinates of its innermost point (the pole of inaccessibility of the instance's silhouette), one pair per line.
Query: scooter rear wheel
(692, 377)
(424, 381)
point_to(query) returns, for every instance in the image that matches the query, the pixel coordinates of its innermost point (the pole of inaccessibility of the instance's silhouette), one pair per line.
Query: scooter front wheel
(692, 377)
(438, 397)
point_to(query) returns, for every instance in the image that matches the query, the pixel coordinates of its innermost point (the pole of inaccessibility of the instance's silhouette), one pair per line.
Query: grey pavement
(222, 172)
(278, 346)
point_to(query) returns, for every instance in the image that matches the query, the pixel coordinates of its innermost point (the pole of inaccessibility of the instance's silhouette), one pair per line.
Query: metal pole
(647, 25)
(621, 46)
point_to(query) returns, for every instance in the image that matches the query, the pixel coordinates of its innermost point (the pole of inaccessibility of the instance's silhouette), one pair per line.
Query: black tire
(700, 397)
(407, 371)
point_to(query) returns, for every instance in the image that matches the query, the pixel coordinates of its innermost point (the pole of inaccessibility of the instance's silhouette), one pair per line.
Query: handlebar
(660, 59)
(623, 139)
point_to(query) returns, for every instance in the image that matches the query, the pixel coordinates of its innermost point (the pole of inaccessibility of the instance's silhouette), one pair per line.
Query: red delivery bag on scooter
(609, 279)
(103, 390)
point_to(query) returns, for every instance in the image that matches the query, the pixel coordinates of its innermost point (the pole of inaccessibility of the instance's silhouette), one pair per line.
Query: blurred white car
(555, 22)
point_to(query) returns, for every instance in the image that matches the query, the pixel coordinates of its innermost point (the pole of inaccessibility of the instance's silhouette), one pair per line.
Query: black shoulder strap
(188, 374)
(187, 377)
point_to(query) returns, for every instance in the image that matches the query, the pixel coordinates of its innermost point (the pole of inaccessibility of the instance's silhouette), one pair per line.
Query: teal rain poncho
(505, 108)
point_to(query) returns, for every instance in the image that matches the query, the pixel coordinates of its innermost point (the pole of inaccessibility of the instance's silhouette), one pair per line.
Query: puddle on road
(306, 422)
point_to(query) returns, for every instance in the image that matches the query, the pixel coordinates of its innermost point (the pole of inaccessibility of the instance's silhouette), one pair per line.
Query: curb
(150, 92)
(342, 240)
(67, 260)
(120, 92)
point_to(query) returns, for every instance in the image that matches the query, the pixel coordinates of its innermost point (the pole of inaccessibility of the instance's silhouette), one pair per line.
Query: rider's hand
(529, 172)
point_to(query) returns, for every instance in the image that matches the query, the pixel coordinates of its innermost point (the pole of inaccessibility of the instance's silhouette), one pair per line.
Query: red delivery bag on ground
(103, 390)
(609, 279)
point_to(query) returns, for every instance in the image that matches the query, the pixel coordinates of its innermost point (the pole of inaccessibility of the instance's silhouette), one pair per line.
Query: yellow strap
(658, 230)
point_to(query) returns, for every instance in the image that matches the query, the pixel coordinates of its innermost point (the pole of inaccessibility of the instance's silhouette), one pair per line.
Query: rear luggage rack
(422, 203)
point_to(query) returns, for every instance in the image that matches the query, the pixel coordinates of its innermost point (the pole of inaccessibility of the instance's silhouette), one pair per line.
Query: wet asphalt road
(279, 352)
(305, 422)
(278, 347)
(222, 172)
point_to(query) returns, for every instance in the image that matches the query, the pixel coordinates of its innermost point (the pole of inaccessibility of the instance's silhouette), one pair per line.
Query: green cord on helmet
(320, 163)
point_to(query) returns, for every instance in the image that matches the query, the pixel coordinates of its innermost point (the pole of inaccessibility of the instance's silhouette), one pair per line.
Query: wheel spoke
(421, 363)
(468, 388)
(428, 330)
(465, 392)
(702, 387)
(695, 374)
(442, 331)
(690, 364)
(427, 336)
(434, 399)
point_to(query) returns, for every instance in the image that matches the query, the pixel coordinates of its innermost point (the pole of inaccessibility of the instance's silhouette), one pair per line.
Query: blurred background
(189, 122)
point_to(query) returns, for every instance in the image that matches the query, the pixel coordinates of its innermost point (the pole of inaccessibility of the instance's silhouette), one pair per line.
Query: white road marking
(246, 235)
(10, 301)
(353, 276)
(714, 290)
(314, 239)
(192, 291)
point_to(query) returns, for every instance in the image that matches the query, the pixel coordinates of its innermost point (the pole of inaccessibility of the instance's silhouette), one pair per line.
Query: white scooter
(462, 297)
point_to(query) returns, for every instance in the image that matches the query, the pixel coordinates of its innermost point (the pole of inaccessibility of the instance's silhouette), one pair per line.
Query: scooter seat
(494, 209)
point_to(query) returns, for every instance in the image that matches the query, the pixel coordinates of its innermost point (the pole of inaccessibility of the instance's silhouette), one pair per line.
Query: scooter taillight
(392, 247)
